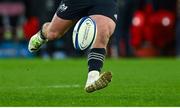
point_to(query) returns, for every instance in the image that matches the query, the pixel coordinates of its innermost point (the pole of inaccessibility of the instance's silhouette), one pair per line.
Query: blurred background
(145, 28)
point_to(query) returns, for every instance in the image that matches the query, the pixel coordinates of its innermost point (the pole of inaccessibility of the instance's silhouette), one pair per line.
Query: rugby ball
(84, 33)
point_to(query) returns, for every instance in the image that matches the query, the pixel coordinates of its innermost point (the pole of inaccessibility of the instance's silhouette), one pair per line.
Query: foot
(102, 82)
(35, 43)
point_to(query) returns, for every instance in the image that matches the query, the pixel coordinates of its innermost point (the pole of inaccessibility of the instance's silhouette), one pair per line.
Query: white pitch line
(43, 87)
(64, 86)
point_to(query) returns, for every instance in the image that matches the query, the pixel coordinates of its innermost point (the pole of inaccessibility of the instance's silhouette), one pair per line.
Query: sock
(96, 58)
(95, 62)
(92, 76)
(42, 35)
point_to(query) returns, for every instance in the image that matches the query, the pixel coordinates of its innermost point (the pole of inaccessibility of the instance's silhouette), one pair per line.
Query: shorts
(76, 9)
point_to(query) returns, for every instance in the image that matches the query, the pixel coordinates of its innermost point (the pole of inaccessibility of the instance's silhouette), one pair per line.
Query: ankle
(92, 77)
(41, 35)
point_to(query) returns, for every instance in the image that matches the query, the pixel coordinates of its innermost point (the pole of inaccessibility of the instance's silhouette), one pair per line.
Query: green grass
(136, 82)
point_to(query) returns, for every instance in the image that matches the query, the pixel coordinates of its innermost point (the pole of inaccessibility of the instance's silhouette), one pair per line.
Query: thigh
(59, 25)
(104, 23)
(106, 8)
(105, 28)
(67, 14)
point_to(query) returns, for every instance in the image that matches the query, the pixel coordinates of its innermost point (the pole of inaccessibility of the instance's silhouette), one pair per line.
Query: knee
(107, 30)
(104, 34)
(50, 33)
(53, 34)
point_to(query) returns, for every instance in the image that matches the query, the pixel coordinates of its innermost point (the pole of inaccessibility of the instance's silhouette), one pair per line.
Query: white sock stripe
(95, 59)
(98, 54)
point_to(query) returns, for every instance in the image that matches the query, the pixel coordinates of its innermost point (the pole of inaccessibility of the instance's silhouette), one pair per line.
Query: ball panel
(84, 33)
(76, 33)
(95, 33)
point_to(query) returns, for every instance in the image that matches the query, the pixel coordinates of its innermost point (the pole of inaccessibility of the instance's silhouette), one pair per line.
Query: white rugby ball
(84, 33)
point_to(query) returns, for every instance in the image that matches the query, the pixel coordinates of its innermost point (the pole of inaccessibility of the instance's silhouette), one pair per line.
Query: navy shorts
(76, 9)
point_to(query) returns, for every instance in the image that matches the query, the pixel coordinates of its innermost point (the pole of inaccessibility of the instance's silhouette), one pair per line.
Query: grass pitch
(136, 82)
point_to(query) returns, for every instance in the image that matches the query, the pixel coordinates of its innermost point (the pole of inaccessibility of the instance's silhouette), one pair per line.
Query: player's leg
(66, 14)
(50, 31)
(96, 56)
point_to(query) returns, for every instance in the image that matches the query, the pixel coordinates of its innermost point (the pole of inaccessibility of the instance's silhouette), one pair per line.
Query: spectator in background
(121, 34)
(153, 28)
(168, 6)
(12, 17)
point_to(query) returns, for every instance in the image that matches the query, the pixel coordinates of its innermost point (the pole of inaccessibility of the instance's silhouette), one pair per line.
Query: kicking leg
(50, 31)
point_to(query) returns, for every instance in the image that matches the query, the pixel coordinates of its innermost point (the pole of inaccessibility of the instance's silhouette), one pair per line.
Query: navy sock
(42, 35)
(96, 58)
